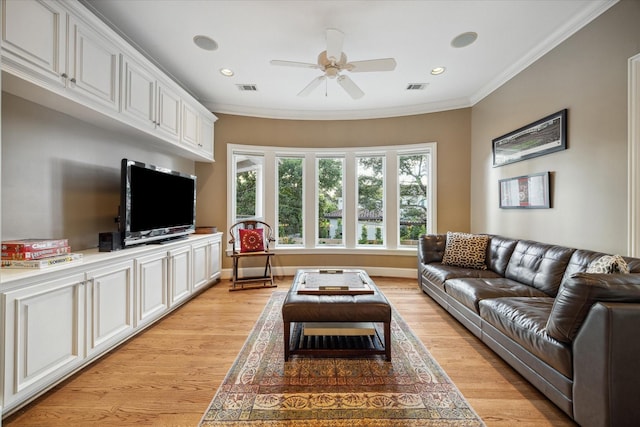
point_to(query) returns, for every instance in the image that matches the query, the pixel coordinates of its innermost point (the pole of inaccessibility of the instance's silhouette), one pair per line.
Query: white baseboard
(409, 273)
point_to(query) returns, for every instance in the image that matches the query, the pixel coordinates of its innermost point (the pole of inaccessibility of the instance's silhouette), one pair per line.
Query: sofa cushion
(523, 319)
(539, 265)
(437, 273)
(470, 291)
(580, 292)
(579, 262)
(431, 248)
(499, 252)
(466, 250)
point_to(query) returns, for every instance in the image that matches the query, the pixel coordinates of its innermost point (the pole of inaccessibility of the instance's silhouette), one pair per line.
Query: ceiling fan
(333, 61)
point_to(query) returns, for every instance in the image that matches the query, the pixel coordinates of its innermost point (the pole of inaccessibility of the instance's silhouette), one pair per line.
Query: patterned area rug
(262, 390)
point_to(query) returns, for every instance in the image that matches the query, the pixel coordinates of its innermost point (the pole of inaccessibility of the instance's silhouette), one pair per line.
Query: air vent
(248, 87)
(416, 86)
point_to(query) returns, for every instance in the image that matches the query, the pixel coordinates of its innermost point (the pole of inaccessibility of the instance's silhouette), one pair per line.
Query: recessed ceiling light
(206, 43)
(226, 72)
(464, 39)
(437, 70)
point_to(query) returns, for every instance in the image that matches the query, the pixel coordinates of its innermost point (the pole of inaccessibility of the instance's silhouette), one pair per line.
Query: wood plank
(168, 374)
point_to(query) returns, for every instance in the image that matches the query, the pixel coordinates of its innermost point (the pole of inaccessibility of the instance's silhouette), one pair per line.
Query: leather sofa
(574, 335)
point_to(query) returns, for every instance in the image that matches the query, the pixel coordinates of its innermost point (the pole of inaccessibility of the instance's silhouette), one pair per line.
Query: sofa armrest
(606, 377)
(431, 248)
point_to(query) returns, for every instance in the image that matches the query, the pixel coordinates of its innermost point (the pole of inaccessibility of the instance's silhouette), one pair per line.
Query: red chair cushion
(251, 240)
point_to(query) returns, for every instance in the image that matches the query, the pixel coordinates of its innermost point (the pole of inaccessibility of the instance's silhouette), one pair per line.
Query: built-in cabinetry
(58, 54)
(57, 320)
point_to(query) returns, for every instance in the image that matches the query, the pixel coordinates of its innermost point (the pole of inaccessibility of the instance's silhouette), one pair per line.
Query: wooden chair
(250, 239)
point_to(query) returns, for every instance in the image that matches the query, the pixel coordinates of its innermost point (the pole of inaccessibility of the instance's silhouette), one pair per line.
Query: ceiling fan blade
(295, 64)
(311, 86)
(350, 87)
(385, 64)
(335, 39)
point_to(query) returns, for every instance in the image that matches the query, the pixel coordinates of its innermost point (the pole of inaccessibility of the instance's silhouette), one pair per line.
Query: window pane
(413, 192)
(330, 215)
(248, 186)
(370, 200)
(290, 197)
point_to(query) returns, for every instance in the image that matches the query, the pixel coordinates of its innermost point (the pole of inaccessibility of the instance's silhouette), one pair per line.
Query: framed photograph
(525, 192)
(545, 136)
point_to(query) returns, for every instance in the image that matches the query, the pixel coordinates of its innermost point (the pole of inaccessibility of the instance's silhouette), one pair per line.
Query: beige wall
(587, 74)
(450, 130)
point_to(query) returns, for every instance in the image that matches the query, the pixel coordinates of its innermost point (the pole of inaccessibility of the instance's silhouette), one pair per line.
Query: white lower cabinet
(207, 259)
(43, 336)
(56, 321)
(109, 305)
(179, 275)
(151, 287)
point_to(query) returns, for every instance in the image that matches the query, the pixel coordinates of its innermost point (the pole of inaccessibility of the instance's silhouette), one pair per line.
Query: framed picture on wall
(525, 192)
(544, 136)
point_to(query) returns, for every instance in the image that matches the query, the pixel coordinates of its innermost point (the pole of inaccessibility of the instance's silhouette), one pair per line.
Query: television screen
(156, 203)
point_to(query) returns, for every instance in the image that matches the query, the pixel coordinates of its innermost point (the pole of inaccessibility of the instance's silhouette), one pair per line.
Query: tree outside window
(330, 209)
(370, 171)
(248, 186)
(413, 181)
(290, 201)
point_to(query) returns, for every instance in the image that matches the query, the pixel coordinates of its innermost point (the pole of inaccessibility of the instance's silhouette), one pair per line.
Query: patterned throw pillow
(608, 264)
(466, 250)
(251, 240)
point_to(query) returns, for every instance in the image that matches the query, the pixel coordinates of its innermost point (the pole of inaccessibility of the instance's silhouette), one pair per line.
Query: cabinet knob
(73, 80)
(64, 75)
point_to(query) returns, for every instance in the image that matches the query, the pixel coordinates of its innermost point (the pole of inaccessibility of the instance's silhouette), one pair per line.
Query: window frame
(390, 154)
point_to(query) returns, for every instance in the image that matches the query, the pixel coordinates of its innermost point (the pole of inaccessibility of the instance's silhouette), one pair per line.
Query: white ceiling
(418, 34)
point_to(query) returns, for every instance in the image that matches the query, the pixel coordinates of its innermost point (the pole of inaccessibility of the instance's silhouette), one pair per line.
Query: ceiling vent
(416, 86)
(248, 87)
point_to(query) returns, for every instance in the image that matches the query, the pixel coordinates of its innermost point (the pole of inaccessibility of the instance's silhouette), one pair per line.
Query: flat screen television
(156, 204)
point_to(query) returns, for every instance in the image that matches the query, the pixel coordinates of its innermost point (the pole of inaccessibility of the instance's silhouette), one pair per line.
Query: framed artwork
(525, 192)
(544, 136)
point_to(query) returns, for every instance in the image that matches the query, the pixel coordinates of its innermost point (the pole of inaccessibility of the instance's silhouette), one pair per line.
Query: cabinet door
(109, 306)
(200, 264)
(138, 97)
(34, 39)
(215, 258)
(206, 136)
(151, 287)
(94, 65)
(179, 275)
(168, 115)
(190, 126)
(44, 335)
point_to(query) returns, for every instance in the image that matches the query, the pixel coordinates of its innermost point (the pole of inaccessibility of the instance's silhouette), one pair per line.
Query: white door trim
(634, 157)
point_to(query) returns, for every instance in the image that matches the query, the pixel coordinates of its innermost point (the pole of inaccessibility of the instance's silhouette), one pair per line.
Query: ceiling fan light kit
(333, 61)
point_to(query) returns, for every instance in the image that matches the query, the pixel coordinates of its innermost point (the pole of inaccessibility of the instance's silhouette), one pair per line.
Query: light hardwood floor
(168, 374)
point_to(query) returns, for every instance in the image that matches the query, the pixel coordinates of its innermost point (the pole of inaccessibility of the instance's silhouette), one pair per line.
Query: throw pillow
(608, 264)
(251, 240)
(466, 250)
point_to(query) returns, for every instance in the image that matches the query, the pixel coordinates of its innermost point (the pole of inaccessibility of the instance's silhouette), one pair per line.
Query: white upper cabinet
(34, 40)
(168, 116)
(190, 126)
(93, 65)
(138, 93)
(206, 134)
(58, 47)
